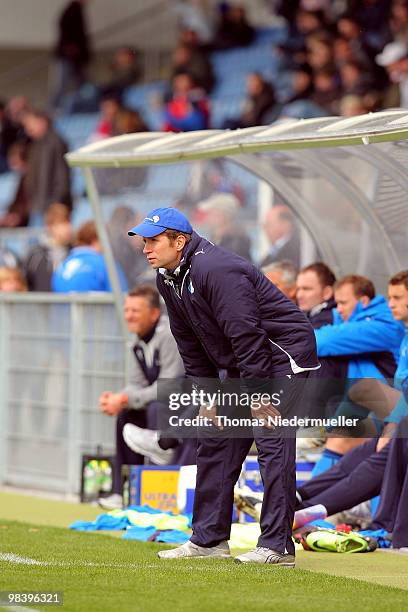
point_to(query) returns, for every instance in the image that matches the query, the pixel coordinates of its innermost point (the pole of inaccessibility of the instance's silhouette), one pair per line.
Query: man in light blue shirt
(85, 267)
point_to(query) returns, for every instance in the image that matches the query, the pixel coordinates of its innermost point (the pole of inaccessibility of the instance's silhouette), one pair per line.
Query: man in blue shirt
(85, 267)
(363, 329)
(365, 333)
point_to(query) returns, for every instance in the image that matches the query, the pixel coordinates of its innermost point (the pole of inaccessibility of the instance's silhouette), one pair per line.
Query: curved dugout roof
(345, 180)
(157, 147)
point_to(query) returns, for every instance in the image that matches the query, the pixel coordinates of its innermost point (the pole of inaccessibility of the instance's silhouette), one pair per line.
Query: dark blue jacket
(322, 314)
(225, 315)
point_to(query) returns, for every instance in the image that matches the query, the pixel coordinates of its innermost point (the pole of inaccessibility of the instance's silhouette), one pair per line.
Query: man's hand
(210, 412)
(264, 411)
(111, 403)
(385, 436)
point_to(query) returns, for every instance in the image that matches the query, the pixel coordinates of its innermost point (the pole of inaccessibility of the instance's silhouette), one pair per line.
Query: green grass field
(98, 572)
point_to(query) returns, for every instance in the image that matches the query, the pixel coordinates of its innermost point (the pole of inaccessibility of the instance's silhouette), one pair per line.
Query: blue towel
(142, 534)
(133, 532)
(172, 536)
(112, 523)
(322, 524)
(382, 537)
(150, 534)
(102, 522)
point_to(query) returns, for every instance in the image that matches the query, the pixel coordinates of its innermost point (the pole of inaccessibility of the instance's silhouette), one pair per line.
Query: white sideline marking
(18, 608)
(11, 558)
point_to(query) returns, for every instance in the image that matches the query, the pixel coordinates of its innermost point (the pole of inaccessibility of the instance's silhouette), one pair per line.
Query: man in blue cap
(230, 322)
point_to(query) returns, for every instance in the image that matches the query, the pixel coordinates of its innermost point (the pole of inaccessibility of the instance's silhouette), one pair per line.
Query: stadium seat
(76, 129)
(8, 186)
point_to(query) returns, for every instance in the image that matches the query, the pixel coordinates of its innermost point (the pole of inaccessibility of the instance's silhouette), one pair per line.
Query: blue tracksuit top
(372, 329)
(84, 270)
(401, 382)
(225, 315)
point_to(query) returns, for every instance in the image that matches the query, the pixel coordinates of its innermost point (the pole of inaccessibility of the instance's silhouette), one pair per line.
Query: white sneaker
(112, 502)
(260, 554)
(188, 550)
(145, 442)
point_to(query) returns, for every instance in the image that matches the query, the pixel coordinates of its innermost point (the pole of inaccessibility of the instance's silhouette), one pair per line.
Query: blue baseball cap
(159, 220)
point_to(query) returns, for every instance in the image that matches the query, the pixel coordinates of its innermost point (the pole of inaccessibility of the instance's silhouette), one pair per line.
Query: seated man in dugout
(154, 354)
(283, 275)
(315, 297)
(365, 332)
(389, 401)
(315, 293)
(377, 467)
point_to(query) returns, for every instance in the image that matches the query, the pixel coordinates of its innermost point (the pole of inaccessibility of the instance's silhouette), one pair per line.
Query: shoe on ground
(146, 442)
(260, 554)
(189, 550)
(112, 502)
(249, 502)
(335, 541)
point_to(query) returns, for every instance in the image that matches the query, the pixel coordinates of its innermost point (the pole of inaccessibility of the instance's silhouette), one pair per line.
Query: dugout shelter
(344, 179)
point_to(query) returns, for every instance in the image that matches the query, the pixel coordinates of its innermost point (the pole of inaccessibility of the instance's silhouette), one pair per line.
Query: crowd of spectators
(342, 58)
(337, 58)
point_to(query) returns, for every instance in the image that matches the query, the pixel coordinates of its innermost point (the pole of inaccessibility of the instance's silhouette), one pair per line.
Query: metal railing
(57, 354)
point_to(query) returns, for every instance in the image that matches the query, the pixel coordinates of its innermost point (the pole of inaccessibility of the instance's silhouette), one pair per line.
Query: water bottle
(90, 478)
(105, 476)
(307, 515)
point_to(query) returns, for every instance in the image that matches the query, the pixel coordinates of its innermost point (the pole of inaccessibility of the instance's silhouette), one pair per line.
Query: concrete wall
(32, 23)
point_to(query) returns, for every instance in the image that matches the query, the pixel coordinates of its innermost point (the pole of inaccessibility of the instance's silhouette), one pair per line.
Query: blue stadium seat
(139, 96)
(173, 179)
(225, 108)
(233, 85)
(8, 186)
(274, 36)
(82, 212)
(76, 129)
(20, 239)
(77, 182)
(153, 119)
